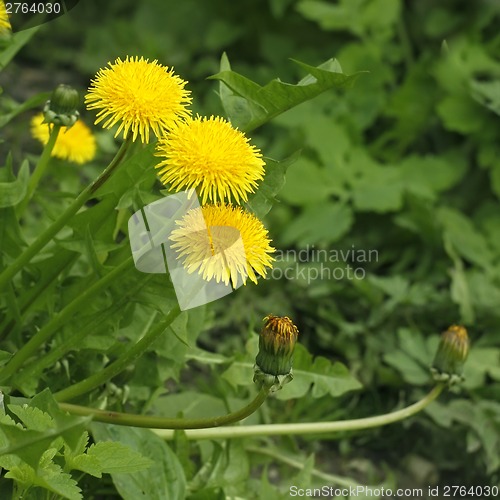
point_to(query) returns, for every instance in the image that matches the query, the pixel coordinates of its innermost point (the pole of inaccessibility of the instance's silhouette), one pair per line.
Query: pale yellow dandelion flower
(140, 96)
(76, 144)
(211, 156)
(224, 243)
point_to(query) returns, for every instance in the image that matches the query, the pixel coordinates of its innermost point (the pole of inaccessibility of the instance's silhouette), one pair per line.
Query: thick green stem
(151, 422)
(40, 168)
(127, 358)
(312, 427)
(58, 224)
(60, 319)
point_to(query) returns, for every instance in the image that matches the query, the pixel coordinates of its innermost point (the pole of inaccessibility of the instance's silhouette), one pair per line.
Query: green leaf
(263, 199)
(115, 457)
(15, 109)
(33, 418)
(481, 362)
(413, 356)
(319, 224)
(30, 445)
(319, 374)
(487, 94)
(357, 16)
(463, 236)
(12, 193)
(164, 480)
(264, 103)
(307, 183)
(16, 44)
(460, 113)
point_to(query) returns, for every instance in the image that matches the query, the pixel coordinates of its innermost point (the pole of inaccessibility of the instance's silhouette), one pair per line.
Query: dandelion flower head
(76, 144)
(140, 96)
(4, 19)
(211, 156)
(224, 243)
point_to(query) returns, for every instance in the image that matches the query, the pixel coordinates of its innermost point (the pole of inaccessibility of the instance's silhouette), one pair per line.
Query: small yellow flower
(4, 19)
(222, 242)
(140, 95)
(211, 156)
(76, 144)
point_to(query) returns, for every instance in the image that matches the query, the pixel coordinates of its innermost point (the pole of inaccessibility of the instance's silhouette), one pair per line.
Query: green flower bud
(273, 364)
(61, 108)
(450, 357)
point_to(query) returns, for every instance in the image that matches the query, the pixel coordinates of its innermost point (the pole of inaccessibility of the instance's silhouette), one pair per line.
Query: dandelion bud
(451, 355)
(61, 108)
(273, 364)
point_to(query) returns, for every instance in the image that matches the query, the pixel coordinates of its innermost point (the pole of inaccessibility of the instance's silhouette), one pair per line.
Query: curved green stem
(58, 224)
(151, 422)
(312, 427)
(40, 168)
(127, 358)
(57, 321)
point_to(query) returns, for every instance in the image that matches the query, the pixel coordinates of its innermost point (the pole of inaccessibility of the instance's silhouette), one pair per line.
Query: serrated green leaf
(33, 418)
(86, 463)
(265, 103)
(30, 445)
(164, 480)
(117, 458)
(319, 375)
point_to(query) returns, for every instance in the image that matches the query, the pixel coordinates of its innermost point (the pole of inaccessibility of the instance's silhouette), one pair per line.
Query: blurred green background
(405, 164)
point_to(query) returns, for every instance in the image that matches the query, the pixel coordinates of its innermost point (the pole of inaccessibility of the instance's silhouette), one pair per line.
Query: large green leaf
(319, 375)
(249, 105)
(164, 480)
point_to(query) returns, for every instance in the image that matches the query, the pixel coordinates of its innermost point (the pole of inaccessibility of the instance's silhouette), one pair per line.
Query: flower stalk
(310, 427)
(47, 235)
(152, 422)
(40, 168)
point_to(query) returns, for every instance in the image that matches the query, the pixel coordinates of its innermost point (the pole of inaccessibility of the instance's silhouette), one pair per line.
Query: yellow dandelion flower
(76, 144)
(222, 242)
(139, 94)
(212, 157)
(4, 19)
